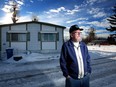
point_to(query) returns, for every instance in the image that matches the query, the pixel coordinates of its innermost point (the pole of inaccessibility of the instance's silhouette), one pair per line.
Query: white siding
(18, 45)
(60, 42)
(48, 45)
(48, 28)
(33, 44)
(4, 44)
(21, 27)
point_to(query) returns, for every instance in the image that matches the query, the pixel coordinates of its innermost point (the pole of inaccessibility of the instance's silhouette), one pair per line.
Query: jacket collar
(70, 43)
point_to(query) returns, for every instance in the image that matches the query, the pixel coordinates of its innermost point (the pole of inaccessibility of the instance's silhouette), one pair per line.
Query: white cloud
(82, 22)
(92, 10)
(9, 5)
(25, 18)
(63, 9)
(54, 13)
(61, 15)
(54, 20)
(85, 28)
(40, 0)
(28, 12)
(6, 8)
(73, 11)
(31, 1)
(99, 14)
(104, 23)
(93, 2)
(101, 31)
(20, 2)
(6, 19)
(96, 12)
(57, 10)
(75, 20)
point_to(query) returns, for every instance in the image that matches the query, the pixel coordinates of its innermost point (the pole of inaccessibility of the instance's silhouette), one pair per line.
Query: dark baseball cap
(74, 27)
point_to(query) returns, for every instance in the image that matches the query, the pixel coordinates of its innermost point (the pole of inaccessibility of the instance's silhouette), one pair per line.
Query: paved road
(48, 74)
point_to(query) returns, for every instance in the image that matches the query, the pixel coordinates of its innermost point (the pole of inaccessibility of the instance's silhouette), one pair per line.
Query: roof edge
(33, 22)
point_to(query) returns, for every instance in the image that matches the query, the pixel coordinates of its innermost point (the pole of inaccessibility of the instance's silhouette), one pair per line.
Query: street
(48, 74)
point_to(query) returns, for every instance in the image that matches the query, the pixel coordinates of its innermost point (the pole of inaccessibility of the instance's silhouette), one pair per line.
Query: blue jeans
(83, 82)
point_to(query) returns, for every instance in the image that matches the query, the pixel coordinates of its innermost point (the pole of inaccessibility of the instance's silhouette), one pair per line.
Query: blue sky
(85, 13)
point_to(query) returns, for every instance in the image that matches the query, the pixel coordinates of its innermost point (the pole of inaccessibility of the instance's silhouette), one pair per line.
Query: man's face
(76, 35)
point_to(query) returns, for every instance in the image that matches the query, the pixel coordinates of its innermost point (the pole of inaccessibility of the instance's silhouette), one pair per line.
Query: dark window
(49, 37)
(17, 37)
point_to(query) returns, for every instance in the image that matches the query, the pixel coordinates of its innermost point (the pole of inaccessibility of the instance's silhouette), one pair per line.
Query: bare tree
(91, 34)
(14, 11)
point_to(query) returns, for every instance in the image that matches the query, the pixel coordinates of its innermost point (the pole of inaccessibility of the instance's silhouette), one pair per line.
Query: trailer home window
(49, 37)
(17, 37)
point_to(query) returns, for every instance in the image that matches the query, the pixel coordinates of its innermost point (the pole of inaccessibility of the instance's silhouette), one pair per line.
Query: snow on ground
(10, 65)
(105, 48)
(102, 51)
(32, 57)
(95, 52)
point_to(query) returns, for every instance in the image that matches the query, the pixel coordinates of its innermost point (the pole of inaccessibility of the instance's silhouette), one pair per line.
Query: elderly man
(75, 60)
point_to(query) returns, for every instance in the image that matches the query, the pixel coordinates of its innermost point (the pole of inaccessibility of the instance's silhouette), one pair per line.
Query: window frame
(9, 37)
(48, 37)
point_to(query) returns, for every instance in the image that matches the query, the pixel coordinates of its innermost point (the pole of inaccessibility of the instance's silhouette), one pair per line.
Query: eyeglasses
(77, 33)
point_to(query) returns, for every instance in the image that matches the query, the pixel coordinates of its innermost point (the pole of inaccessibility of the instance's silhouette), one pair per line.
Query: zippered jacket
(68, 60)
